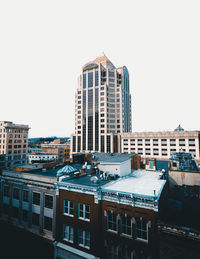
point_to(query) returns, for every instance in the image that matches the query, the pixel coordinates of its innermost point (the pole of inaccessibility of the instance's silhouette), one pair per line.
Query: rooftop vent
(94, 179)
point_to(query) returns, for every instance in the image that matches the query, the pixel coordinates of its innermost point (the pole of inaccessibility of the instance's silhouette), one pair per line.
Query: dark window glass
(15, 212)
(90, 79)
(25, 195)
(35, 219)
(49, 201)
(25, 215)
(48, 223)
(36, 198)
(16, 193)
(6, 191)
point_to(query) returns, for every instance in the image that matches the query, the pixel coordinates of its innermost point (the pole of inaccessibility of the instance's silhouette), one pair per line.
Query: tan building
(14, 142)
(62, 150)
(161, 144)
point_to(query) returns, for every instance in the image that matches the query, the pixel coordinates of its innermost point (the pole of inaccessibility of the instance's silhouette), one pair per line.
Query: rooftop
(110, 157)
(87, 180)
(186, 161)
(140, 182)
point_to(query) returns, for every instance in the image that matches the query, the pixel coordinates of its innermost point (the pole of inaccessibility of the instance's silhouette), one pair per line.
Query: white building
(41, 157)
(161, 144)
(116, 166)
(102, 106)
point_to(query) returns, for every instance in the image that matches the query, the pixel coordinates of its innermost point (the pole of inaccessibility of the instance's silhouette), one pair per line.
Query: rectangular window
(15, 212)
(48, 223)
(25, 195)
(35, 219)
(68, 233)
(141, 229)
(16, 193)
(111, 220)
(68, 208)
(48, 201)
(126, 225)
(25, 215)
(6, 191)
(163, 142)
(84, 238)
(84, 211)
(36, 198)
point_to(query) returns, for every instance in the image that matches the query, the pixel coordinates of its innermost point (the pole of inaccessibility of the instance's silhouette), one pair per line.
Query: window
(126, 226)
(68, 233)
(25, 215)
(172, 142)
(15, 212)
(36, 198)
(84, 238)
(48, 223)
(35, 219)
(112, 250)
(111, 220)
(16, 193)
(84, 211)
(191, 142)
(6, 191)
(139, 142)
(141, 229)
(68, 208)
(25, 195)
(155, 142)
(48, 201)
(164, 142)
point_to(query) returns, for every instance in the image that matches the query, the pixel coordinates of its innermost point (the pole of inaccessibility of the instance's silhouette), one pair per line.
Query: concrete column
(30, 207)
(42, 210)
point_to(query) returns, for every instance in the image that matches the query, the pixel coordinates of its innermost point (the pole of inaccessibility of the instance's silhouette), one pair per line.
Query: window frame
(68, 208)
(84, 211)
(68, 232)
(84, 238)
(140, 228)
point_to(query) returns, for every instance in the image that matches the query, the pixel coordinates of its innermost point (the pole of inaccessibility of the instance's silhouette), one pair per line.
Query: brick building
(100, 218)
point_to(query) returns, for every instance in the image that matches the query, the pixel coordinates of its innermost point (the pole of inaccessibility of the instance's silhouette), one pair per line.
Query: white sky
(44, 44)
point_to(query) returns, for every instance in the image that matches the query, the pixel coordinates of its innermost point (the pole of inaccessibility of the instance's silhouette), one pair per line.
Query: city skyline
(44, 46)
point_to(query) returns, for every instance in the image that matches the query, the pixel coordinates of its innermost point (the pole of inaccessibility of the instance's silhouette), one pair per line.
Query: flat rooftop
(140, 182)
(85, 180)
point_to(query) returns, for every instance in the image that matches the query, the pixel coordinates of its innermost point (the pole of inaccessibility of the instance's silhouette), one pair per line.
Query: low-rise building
(62, 150)
(100, 218)
(14, 142)
(29, 200)
(184, 176)
(41, 158)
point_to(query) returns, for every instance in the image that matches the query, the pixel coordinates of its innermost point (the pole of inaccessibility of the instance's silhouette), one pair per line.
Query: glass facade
(101, 80)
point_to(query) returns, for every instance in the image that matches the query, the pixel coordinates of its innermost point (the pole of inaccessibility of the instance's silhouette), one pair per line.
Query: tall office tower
(14, 142)
(102, 106)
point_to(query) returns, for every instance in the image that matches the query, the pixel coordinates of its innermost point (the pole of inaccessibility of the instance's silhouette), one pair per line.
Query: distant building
(29, 200)
(2, 162)
(41, 158)
(57, 147)
(102, 106)
(184, 176)
(14, 142)
(100, 218)
(160, 145)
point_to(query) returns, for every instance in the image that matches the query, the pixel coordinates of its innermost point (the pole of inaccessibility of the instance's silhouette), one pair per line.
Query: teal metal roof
(66, 170)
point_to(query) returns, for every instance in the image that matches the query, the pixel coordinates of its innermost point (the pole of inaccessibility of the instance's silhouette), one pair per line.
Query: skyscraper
(102, 106)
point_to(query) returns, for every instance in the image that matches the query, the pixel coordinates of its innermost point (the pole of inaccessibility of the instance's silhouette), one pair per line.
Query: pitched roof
(102, 58)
